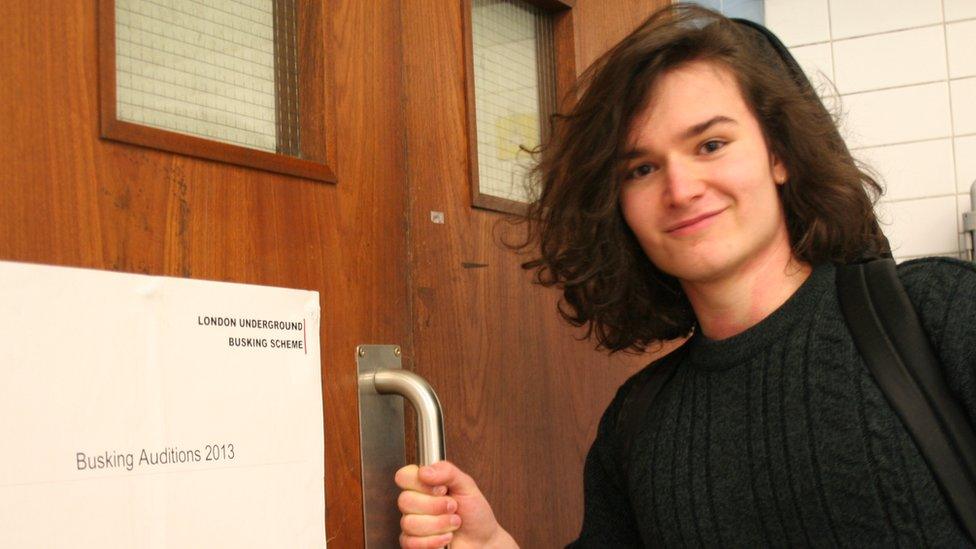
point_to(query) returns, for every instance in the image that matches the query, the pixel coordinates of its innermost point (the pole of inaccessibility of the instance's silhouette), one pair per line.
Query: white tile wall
(959, 9)
(799, 22)
(818, 64)
(896, 115)
(961, 45)
(964, 105)
(891, 59)
(912, 170)
(965, 162)
(860, 17)
(906, 72)
(925, 226)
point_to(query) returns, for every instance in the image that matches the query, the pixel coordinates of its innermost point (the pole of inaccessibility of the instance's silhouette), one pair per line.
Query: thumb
(445, 473)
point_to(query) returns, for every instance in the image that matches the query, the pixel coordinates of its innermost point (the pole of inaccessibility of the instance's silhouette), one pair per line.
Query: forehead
(688, 95)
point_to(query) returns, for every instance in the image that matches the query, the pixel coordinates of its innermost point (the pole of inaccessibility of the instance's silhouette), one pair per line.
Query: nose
(684, 184)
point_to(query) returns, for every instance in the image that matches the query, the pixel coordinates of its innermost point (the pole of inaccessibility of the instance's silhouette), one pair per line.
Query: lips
(692, 221)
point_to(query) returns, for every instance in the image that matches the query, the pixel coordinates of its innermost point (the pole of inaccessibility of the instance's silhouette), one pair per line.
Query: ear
(778, 168)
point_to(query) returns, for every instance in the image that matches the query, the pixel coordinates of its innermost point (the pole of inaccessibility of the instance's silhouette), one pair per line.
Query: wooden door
(521, 396)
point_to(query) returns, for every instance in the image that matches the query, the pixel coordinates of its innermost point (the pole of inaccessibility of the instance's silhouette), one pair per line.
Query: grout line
(890, 31)
(963, 20)
(833, 59)
(894, 143)
(803, 44)
(952, 125)
(911, 141)
(897, 87)
(926, 140)
(920, 198)
(912, 85)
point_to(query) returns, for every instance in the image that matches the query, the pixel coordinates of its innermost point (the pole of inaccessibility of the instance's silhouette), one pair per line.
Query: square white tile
(818, 64)
(898, 115)
(961, 45)
(912, 170)
(965, 162)
(921, 227)
(964, 105)
(959, 9)
(798, 22)
(859, 17)
(890, 59)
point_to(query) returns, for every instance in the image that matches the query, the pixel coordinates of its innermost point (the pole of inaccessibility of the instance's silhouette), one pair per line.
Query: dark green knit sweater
(779, 436)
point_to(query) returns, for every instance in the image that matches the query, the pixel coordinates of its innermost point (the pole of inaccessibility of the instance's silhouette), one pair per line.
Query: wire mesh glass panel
(514, 89)
(217, 69)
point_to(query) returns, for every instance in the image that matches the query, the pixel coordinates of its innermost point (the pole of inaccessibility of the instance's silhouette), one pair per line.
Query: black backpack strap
(890, 338)
(638, 401)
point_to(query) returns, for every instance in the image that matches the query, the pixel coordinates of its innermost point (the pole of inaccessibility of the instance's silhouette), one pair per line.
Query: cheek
(637, 208)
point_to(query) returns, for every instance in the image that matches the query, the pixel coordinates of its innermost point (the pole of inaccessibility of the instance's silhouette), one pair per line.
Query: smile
(693, 223)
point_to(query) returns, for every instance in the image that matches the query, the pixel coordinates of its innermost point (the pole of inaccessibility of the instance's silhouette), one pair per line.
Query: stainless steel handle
(381, 433)
(969, 223)
(416, 390)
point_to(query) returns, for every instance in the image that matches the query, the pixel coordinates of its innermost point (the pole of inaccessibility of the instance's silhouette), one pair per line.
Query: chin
(695, 269)
(689, 272)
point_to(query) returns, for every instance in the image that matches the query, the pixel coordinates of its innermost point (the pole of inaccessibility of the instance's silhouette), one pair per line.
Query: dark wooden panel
(603, 24)
(70, 198)
(521, 394)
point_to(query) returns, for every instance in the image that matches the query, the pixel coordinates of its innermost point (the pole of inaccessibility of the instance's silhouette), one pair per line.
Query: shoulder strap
(890, 338)
(638, 402)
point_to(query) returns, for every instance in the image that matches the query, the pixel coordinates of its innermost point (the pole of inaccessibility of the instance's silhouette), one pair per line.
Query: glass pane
(205, 68)
(514, 92)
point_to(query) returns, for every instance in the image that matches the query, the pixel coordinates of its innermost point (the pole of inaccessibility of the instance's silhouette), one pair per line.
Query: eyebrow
(702, 127)
(693, 131)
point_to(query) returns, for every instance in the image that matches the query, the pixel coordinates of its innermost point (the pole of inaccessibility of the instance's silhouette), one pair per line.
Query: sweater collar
(719, 354)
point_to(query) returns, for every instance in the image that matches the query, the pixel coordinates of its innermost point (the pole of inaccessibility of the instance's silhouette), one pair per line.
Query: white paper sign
(140, 411)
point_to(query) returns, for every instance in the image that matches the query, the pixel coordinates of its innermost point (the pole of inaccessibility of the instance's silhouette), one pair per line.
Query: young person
(699, 187)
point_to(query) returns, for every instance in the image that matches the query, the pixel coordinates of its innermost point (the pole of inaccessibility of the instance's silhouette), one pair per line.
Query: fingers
(416, 503)
(445, 473)
(425, 542)
(407, 478)
(428, 525)
(436, 500)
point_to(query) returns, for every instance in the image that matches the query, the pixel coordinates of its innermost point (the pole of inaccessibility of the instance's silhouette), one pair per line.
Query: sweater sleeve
(943, 291)
(608, 519)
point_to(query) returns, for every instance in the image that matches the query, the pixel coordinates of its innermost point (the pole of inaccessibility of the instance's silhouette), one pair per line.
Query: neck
(730, 304)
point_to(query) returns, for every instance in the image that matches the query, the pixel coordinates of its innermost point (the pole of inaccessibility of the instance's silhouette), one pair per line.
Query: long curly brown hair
(584, 246)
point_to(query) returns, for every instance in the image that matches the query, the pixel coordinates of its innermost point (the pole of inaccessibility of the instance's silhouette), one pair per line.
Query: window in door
(239, 81)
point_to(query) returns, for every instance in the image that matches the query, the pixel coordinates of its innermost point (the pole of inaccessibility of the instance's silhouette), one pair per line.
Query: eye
(640, 171)
(711, 146)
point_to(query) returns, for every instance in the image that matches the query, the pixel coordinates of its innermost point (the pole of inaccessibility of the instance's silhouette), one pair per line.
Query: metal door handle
(416, 390)
(381, 435)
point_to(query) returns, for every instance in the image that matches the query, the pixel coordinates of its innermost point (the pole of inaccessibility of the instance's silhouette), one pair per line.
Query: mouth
(692, 223)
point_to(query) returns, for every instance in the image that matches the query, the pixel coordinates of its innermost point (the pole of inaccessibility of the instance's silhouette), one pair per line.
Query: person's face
(700, 194)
